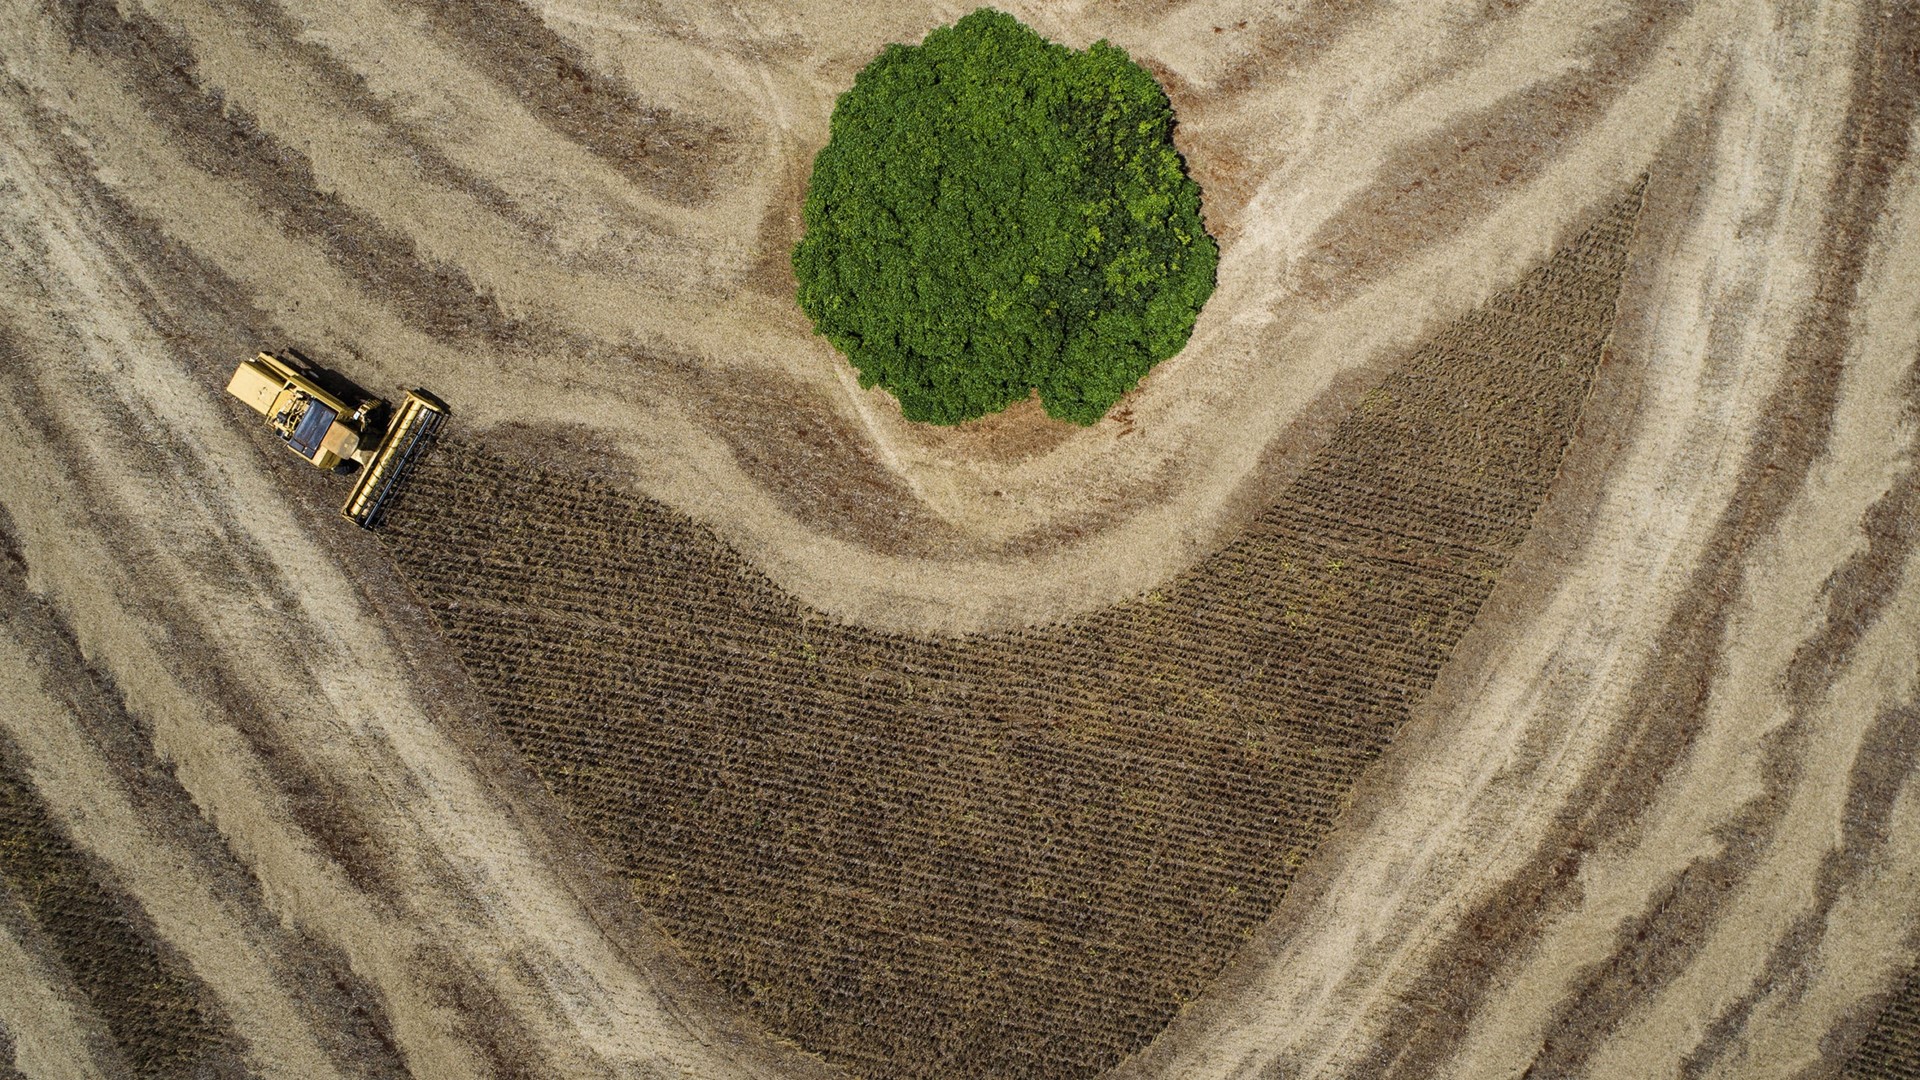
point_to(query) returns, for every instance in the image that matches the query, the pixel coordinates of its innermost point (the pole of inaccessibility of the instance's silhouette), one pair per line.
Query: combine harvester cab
(316, 422)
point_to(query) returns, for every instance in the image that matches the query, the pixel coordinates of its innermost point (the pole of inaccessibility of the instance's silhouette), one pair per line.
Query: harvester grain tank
(334, 426)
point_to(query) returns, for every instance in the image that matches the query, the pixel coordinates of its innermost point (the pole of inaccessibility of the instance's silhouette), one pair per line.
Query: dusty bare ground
(1653, 818)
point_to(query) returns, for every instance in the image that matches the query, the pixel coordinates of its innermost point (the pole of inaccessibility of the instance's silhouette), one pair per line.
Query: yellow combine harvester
(317, 423)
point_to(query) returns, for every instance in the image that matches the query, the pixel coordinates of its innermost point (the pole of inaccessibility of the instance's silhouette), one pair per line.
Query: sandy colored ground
(1655, 819)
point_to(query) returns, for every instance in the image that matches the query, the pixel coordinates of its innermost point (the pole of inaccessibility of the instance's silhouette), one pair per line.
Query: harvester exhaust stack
(412, 429)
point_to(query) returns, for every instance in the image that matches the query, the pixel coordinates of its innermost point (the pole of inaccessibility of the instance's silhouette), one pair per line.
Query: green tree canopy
(995, 213)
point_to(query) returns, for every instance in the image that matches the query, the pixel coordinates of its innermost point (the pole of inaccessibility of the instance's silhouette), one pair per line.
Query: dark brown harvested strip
(160, 1015)
(224, 141)
(672, 156)
(9, 1064)
(350, 1016)
(1892, 1049)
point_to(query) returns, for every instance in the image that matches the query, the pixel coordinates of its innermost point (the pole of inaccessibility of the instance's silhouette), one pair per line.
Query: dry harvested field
(1491, 648)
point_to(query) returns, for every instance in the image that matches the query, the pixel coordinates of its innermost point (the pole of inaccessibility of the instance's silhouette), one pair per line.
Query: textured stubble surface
(1892, 1048)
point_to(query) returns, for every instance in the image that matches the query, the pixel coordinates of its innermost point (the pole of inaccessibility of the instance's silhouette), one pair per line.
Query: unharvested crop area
(1012, 853)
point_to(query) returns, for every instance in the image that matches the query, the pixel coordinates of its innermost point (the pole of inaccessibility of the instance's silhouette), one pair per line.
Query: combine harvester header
(315, 421)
